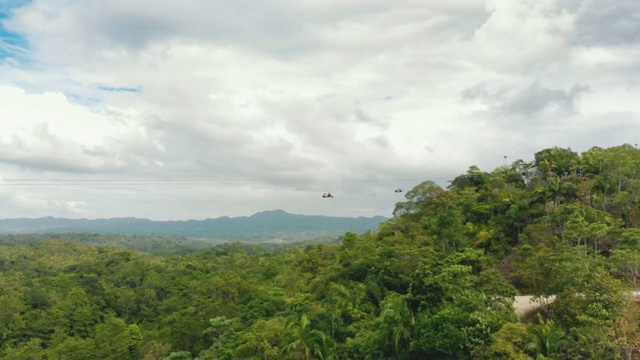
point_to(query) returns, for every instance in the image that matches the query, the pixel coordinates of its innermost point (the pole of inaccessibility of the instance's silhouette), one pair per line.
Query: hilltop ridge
(262, 226)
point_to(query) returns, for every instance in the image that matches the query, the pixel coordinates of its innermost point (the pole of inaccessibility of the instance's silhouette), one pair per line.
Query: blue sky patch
(83, 100)
(12, 45)
(120, 89)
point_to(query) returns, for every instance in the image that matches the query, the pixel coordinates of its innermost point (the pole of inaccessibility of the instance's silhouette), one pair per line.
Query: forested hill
(263, 226)
(437, 281)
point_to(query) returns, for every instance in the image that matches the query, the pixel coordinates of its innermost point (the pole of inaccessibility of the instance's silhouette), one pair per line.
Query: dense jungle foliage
(435, 282)
(161, 245)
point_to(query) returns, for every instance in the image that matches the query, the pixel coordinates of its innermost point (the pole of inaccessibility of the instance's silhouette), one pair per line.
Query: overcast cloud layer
(197, 109)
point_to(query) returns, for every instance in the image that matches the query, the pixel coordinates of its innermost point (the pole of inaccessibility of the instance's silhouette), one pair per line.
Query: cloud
(530, 101)
(267, 104)
(47, 133)
(536, 99)
(65, 29)
(608, 23)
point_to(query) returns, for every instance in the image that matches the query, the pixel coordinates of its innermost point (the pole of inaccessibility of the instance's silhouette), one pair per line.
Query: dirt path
(525, 303)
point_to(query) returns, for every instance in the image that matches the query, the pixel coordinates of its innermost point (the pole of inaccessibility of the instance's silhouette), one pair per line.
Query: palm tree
(546, 339)
(398, 321)
(307, 344)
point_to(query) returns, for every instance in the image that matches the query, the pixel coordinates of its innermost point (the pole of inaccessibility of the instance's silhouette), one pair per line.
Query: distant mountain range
(274, 225)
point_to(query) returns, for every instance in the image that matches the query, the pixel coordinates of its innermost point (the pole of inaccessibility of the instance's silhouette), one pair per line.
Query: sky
(195, 109)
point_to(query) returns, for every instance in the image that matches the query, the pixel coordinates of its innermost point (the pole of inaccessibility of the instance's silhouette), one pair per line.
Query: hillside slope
(275, 225)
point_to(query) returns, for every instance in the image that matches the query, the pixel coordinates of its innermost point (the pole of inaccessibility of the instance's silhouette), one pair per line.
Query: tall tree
(306, 343)
(547, 339)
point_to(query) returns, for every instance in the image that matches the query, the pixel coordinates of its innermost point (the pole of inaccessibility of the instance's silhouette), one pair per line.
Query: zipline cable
(144, 182)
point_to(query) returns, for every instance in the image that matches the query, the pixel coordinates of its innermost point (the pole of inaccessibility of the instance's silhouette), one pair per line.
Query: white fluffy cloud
(44, 132)
(196, 109)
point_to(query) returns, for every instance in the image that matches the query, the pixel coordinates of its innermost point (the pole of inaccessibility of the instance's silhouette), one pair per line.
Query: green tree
(627, 264)
(397, 325)
(508, 343)
(556, 161)
(262, 341)
(306, 343)
(547, 339)
(222, 330)
(31, 350)
(417, 198)
(115, 340)
(73, 348)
